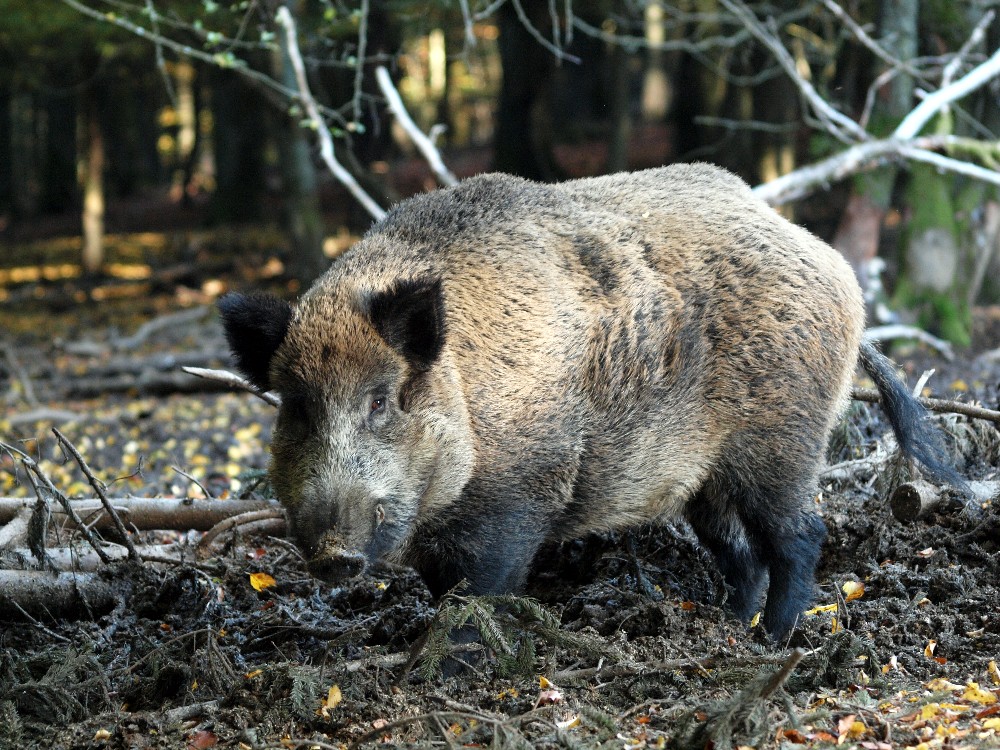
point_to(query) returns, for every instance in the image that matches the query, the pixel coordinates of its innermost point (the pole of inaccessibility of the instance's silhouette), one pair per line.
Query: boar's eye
(377, 404)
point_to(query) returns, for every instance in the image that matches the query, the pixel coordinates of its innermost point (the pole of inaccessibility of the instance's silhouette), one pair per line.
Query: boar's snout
(334, 562)
(334, 566)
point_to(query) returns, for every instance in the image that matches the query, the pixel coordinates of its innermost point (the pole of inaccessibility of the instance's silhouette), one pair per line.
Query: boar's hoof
(334, 567)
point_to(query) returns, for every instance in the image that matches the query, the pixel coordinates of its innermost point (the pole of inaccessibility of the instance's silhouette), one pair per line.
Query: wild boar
(503, 363)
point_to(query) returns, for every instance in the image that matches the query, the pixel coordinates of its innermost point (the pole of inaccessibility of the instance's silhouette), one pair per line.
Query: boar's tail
(916, 437)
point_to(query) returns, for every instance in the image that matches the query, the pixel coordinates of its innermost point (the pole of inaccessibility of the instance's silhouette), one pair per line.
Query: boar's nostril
(334, 567)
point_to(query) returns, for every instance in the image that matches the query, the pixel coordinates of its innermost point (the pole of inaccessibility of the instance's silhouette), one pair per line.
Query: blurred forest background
(135, 131)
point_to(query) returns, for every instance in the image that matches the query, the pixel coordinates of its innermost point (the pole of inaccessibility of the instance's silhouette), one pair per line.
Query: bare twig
(870, 395)
(243, 519)
(862, 157)
(202, 487)
(235, 381)
(836, 123)
(891, 332)
(974, 79)
(421, 141)
(36, 476)
(359, 65)
(782, 675)
(101, 494)
(18, 372)
(951, 69)
(316, 121)
(530, 28)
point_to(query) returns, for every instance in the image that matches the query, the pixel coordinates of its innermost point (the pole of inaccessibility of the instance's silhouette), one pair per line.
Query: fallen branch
(943, 406)
(421, 141)
(15, 531)
(145, 513)
(69, 559)
(38, 593)
(39, 480)
(913, 500)
(128, 343)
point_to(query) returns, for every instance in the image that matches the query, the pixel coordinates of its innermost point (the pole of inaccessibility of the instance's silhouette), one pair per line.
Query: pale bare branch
(421, 141)
(934, 103)
(316, 121)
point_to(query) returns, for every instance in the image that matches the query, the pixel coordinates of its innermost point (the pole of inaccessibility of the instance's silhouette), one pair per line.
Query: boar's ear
(409, 316)
(255, 326)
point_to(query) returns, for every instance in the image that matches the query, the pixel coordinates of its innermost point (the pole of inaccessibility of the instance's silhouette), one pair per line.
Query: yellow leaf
(102, 734)
(976, 694)
(755, 620)
(834, 625)
(261, 581)
(994, 672)
(930, 710)
(543, 683)
(822, 608)
(993, 723)
(570, 723)
(959, 385)
(255, 673)
(333, 696)
(853, 590)
(929, 650)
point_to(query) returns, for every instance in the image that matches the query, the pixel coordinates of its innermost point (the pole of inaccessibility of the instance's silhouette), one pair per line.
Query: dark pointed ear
(409, 316)
(255, 326)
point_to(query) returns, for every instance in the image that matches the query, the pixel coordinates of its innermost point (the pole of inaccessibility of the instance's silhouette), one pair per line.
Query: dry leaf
(261, 581)
(853, 590)
(976, 694)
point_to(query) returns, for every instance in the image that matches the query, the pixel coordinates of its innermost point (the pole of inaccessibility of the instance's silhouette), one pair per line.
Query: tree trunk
(239, 136)
(526, 69)
(621, 121)
(93, 185)
(6, 178)
(301, 209)
(857, 237)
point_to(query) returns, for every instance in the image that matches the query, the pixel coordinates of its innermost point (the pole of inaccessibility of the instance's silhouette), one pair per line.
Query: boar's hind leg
(752, 528)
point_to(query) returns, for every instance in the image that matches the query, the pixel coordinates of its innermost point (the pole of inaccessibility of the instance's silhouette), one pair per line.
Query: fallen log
(914, 500)
(43, 593)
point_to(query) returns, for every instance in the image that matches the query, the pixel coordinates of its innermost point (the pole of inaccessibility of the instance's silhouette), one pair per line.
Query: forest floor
(241, 648)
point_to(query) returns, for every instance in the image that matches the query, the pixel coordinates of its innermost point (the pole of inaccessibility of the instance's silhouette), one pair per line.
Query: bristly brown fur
(557, 359)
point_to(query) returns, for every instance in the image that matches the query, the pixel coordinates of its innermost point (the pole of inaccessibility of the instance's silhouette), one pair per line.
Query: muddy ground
(194, 655)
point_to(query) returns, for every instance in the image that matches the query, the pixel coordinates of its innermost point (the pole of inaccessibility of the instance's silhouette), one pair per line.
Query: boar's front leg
(487, 540)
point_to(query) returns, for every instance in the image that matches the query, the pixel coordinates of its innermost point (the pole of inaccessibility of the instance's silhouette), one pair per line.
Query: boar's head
(369, 432)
